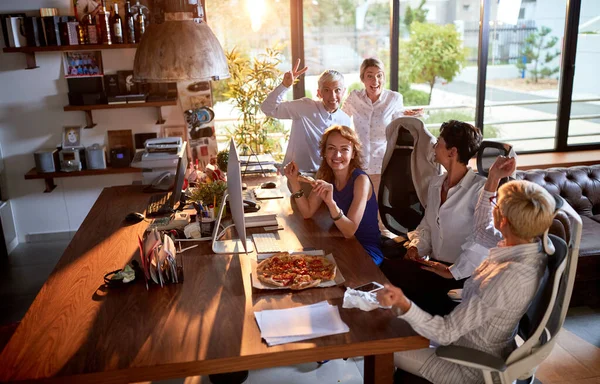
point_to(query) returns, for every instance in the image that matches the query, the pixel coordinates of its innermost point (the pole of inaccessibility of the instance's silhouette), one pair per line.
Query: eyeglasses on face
(494, 200)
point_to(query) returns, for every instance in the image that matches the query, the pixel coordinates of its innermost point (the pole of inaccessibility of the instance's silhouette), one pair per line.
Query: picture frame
(82, 64)
(71, 137)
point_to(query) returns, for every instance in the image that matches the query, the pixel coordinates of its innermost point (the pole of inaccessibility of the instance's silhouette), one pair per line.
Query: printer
(170, 145)
(160, 155)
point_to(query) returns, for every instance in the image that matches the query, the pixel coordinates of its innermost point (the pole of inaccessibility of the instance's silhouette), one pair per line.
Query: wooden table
(76, 330)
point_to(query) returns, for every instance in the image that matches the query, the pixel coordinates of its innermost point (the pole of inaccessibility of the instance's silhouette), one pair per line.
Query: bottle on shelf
(140, 25)
(82, 37)
(92, 31)
(117, 26)
(129, 24)
(103, 26)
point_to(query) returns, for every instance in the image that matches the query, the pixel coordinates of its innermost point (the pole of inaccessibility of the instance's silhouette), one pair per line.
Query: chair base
(229, 378)
(403, 377)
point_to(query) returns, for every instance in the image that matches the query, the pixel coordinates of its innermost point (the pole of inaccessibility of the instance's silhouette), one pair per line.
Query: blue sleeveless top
(367, 232)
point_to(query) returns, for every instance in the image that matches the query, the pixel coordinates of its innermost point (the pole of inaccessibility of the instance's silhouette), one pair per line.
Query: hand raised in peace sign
(290, 76)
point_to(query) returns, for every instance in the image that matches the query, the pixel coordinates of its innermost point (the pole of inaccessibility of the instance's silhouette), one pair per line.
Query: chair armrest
(471, 358)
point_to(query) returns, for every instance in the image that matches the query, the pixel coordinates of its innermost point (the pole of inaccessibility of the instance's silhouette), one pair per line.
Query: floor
(575, 358)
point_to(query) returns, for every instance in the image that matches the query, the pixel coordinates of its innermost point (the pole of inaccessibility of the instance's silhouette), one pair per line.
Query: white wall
(32, 117)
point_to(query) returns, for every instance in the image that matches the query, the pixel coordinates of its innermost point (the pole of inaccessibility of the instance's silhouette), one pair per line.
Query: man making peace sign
(310, 118)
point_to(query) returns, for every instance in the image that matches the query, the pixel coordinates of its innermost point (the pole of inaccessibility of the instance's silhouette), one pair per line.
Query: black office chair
(399, 205)
(489, 152)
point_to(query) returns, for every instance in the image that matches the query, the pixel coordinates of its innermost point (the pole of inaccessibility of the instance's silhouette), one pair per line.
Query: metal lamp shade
(179, 50)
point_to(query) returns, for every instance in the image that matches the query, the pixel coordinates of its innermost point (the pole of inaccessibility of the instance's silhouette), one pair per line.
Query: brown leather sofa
(580, 187)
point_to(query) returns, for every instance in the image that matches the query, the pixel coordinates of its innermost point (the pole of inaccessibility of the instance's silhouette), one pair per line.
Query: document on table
(282, 326)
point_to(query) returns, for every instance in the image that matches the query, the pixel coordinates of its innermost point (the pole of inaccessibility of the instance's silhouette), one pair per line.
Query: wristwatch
(298, 194)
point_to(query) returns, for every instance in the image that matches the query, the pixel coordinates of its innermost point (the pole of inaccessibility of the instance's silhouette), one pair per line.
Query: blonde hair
(528, 207)
(370, 62)
(325, 172)
(330, 75)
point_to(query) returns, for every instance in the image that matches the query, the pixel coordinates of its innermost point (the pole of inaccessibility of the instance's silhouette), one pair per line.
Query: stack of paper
(282, 326)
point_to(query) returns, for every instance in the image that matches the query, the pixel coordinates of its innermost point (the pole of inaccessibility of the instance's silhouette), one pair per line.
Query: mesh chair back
(399, 204)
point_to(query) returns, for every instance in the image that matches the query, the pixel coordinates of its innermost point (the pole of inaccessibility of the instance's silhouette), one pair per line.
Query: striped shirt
(495, 298)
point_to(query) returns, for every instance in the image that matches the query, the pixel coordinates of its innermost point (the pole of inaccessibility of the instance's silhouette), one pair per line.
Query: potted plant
(223, 160)
(206, 194)
(250, 83)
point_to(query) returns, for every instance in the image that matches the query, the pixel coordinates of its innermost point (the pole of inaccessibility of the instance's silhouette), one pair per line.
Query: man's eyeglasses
(494, 200)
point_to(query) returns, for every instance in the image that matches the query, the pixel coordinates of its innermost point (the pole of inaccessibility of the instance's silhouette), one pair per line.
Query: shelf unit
(89, 108)
(49, 177)
(30, 51)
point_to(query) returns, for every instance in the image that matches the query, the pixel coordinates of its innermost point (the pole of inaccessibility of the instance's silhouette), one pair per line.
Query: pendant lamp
(179, 49)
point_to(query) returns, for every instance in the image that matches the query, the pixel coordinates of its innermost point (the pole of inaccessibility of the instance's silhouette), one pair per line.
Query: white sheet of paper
(316, 319)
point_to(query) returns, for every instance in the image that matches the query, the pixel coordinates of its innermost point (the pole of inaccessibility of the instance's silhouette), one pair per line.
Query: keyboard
(266, 243)
(159, 204)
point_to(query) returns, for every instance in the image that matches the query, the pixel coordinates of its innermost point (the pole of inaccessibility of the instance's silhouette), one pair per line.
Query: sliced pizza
(304, 282)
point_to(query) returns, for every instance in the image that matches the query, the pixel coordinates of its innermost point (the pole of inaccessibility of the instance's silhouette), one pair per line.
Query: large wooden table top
(76, 330)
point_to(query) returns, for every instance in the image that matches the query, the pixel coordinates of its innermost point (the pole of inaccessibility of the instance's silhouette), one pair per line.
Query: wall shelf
(49, 177)
(30, 51)
(89, 108)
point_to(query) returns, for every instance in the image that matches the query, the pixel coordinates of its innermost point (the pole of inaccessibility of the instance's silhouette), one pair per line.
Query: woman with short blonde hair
(527, 207)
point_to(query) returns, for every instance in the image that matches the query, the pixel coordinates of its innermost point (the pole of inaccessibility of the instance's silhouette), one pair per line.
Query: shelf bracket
(49, 185)
(30, 58)
(160, 117)
(89, 120)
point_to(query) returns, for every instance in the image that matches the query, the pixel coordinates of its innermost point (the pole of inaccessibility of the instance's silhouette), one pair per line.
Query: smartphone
(369, 287)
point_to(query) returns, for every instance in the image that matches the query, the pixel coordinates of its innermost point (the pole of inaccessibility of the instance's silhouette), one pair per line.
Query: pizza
(295, 271)
(306, 179)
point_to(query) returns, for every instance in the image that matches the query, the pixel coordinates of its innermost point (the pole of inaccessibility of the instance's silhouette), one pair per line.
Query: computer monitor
(182, 164)
(236, 206)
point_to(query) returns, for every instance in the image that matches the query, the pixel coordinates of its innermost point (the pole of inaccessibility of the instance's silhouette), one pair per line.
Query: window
(522, 84)
(339, 35)
(249, 27)
(584, 125)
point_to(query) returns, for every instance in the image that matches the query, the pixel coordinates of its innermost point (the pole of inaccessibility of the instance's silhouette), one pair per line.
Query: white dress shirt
(494, 300)
(370, 119)
(446, 232)
(309, 121)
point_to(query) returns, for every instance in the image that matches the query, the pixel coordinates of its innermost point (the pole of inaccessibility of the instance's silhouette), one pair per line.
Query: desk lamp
(180, 48)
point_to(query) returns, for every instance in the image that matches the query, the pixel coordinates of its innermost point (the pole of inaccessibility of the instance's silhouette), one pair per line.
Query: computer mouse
(268, 185)
(134, 217)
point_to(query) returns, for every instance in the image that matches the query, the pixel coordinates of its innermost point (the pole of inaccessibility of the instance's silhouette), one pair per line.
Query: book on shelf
(4, 21)
(136, 98)
(16, 30)
(33, 33)
(117, 99)
(48, 12)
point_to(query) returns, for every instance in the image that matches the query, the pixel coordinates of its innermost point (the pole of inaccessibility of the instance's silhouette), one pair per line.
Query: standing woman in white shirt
(371, 110)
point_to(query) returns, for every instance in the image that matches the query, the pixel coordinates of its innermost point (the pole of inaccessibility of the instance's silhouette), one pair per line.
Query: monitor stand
(228, 246)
